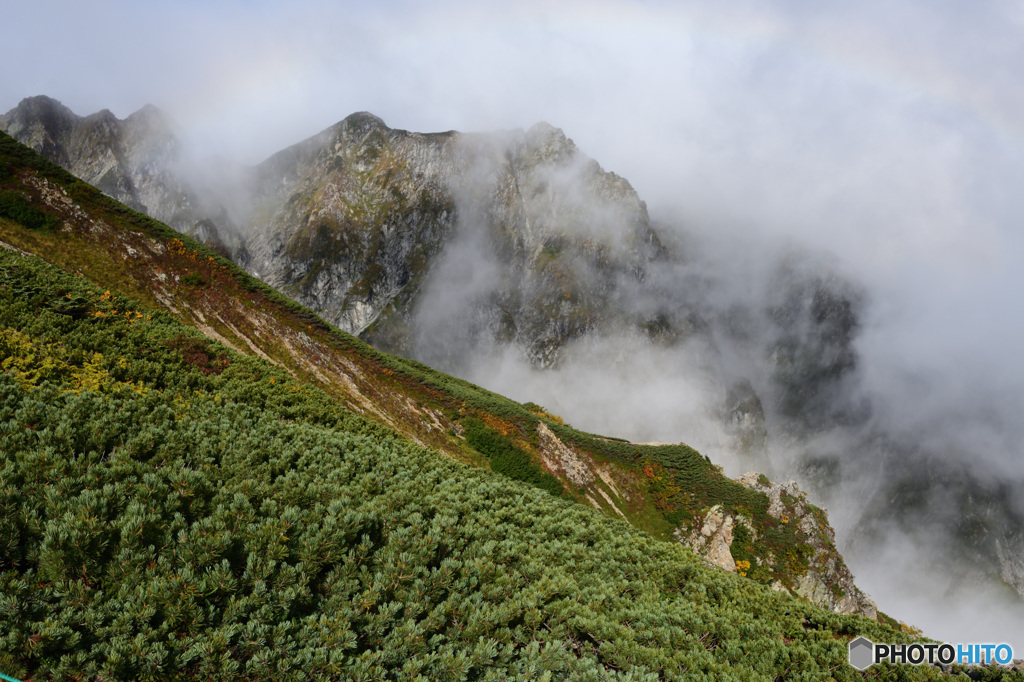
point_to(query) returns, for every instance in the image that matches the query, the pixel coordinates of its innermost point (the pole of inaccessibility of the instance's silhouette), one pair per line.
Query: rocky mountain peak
(149, 118)
(360, 124)
(133, 160)
(547, 143)
(41, 123)
(42, 108)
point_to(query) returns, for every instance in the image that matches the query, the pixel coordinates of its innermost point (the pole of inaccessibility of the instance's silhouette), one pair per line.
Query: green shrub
(159, 521)
(508, 459)
(193, 279)
(14, 206)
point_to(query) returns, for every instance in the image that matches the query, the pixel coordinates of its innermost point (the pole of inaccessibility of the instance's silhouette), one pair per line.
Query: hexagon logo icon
(862, 653)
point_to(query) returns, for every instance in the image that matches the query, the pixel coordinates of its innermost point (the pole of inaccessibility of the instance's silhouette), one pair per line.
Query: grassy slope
(251, 524)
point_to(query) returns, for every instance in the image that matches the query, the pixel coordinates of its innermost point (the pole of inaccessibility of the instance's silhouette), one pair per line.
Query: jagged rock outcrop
(571, 239)
(821, 577)
(713, 539)
(348, 222)
(563, 460)
(353, 221)
(827, 581)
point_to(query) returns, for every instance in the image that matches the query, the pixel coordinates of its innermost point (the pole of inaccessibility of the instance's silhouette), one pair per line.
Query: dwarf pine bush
(166, 522)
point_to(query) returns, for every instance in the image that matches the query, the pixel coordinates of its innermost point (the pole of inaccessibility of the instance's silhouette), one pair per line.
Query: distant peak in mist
(42, 104)
(150, 115)
(544, 131)
(362, 120)
(47, 110)
(46, 124)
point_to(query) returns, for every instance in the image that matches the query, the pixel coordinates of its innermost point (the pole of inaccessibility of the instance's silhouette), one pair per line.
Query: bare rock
(713, 539)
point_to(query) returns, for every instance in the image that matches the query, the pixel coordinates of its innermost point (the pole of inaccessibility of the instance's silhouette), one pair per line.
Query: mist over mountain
(516, 261)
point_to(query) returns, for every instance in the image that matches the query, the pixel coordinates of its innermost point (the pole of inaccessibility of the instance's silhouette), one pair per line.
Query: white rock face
(713, 539)
(563, 459)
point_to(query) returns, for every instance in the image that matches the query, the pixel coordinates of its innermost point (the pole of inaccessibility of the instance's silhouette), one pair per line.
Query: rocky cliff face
(827, 581)
(352, 221)
(349, 221)
(815, 570)
(557, 243)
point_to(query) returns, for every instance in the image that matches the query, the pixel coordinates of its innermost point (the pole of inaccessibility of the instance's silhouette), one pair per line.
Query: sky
(889, 136)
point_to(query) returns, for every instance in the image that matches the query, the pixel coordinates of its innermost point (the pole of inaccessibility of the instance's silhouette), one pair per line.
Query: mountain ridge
(129, 159)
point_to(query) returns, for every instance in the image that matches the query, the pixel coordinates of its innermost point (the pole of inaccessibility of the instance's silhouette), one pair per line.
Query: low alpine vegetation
(173, 509)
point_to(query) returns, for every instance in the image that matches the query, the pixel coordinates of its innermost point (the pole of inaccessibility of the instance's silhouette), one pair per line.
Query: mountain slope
(471, 252)
(178, 508)
(248, 526)
(663, 489)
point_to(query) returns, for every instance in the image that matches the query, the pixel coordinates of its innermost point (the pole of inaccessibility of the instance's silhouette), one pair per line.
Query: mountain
(460, 250)
(455, 249)
(348, 221)
(446, 247)
(205, 479)
(352, 221)
(135, 160)
(667, 490)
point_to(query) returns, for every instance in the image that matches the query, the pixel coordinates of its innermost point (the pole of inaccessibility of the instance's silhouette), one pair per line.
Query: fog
(882, 143)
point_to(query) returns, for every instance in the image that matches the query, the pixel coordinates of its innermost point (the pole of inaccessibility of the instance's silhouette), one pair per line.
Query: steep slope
(174, 509)
(661, 489)
(457, 249)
